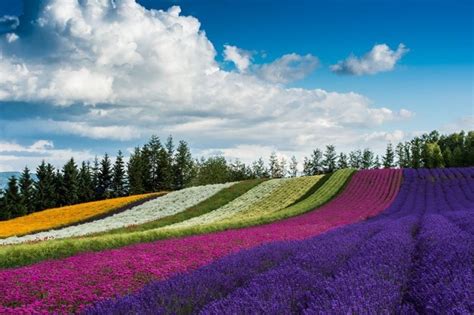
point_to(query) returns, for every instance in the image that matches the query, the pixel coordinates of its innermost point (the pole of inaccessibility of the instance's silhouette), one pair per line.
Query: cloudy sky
(238, 78)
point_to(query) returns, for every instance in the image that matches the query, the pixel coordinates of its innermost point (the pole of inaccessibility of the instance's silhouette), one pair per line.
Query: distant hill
(4, 176)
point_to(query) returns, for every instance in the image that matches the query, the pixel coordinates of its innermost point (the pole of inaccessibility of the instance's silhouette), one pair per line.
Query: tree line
(158, 166)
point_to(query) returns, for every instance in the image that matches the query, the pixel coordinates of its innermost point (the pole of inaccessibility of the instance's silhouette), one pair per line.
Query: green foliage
(27, 191)
(388, 159)
(330, 157)
(84, 183)
(118, 186)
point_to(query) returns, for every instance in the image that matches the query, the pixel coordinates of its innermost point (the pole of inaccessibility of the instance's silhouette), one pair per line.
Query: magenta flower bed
(70, 284)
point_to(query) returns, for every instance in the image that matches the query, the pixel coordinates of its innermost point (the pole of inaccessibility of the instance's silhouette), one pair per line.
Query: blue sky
(432, 81)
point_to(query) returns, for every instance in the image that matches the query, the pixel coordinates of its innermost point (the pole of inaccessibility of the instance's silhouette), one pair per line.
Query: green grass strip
(218, 200)
(25, 254)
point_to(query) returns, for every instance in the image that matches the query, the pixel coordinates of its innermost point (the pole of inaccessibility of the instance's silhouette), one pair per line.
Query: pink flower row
(68, 285)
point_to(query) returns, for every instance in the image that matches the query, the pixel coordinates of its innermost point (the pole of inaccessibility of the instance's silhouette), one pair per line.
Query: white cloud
(288, 68)
(380, 59)
(241, 58)
(14, 157)
(157, 73)
(11, 37)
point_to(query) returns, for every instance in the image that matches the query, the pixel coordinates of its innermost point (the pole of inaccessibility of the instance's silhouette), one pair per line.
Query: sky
(236, 78)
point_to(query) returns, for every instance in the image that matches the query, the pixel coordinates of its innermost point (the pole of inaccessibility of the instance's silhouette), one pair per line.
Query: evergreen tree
(27, 191)
(147, 168)
(388, 159)
(330, 158)
(95, 178)
(293, 168)
(168, 164)
(118, 186)
(259, 170)
(342, 161)
(403, 159)
(105, 178)
(70, 183)
(85, 186)
(282, 171)
(45, 189)
(355, 159)
(274, 166)
(307, 167)
(238, 171)
(156, 158)
(469, 149)
(4, 215)
(135, 176)
(13, 203)
(59, 189)
(367, 159)
(183, 167)
(377, 163)
(313, 165)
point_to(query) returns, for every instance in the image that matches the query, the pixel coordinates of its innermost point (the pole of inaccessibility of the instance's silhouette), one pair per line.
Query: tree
(458, 156)
(238, 171)
(274, 166)
(45, 196)
(403, 155)
(135, 176)
(330, 157)
(293, 168)
(13, 205)
(70, 193)
(259, 170)
(313, 165)
(388, 159)
(355, 159)
(27, 190)
(95, 178)
(367, 159)
(84, 183)
(416, 153)
(118, 185)
(183, 167)
(213, 170)
(105, 177)
(342, 161)
(377, 164)
(448, 157)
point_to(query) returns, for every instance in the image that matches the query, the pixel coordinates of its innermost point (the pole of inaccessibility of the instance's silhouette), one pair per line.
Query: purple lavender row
(362, 268)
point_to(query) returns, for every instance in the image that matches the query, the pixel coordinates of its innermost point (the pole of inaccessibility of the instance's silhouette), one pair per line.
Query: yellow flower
(64, 216)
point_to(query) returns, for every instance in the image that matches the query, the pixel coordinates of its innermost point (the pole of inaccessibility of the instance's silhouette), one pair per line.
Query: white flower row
(160, 207)
(237, 205)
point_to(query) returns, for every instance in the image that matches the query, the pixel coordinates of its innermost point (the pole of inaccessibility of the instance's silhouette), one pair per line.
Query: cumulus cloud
(288, 68)
(142, 71)
(241, 58)
(380, 59)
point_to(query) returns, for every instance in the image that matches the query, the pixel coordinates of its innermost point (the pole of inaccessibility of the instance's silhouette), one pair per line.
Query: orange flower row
(69, 215)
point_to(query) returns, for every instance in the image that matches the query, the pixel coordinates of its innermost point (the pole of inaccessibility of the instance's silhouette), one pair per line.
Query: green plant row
(25, 254)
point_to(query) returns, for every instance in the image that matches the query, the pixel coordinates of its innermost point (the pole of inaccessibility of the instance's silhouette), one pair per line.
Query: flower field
(371, 241)
(169, 204)
(64, 216)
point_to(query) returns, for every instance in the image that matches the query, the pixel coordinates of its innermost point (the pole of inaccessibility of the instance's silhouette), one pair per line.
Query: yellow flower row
(64, 216)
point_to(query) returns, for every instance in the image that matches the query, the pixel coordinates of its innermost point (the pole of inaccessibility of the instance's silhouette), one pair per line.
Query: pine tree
(388, 159)
(282, 171)
(313, 165)
(84, 183)
(95, 178)
(330, 157)
(4, 215)
(259, 170)
(105, 177)
(367, 159)
(416, 150)
(70, 183)
(118, 185)
(377, 164)
(135, 173)
(59, 189)
(274, 166)
(183, 168)
(27, 190)
(355, 159)
(45, 188)
(13, 203)
(168, 164)
(293, 168)
(342, 161)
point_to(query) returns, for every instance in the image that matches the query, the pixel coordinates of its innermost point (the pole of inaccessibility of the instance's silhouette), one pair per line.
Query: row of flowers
(169, 204)
(236, 206)
(63, 216)
(415, 257)
(71, 284)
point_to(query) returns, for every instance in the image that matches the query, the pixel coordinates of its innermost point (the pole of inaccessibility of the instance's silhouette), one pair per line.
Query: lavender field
(416, 257)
